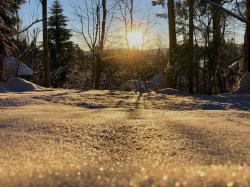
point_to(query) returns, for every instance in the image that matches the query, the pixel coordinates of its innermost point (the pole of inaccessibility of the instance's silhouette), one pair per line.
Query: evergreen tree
(8, 21)
(59, 44)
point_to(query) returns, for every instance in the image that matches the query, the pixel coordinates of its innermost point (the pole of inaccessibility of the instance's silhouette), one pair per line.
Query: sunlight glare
(135, 39)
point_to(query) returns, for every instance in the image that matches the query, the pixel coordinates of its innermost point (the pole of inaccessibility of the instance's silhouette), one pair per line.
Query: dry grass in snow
(104, 138)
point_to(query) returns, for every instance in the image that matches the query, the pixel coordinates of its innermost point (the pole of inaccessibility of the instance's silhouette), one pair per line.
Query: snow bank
(244, 85)
(21, 85)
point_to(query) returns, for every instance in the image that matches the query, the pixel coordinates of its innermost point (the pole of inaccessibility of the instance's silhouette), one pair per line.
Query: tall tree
(172, 30)
(95, 20)
(248, 34)
(59, 42)
(241, 17)
(171, 15)
(101, 44)
(46, 75)
(191, 46)
(217, 39)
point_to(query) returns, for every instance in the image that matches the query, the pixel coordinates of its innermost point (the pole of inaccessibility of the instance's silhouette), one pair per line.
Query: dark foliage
(61, 48)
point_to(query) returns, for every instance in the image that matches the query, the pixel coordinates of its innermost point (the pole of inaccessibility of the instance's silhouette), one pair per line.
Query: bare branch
(242, 19)
(27, 28)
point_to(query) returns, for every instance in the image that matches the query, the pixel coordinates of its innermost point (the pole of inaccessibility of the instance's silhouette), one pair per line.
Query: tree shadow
(200, 102)
(13, 102)
(226, 101)
(4, 126)
(90, 106)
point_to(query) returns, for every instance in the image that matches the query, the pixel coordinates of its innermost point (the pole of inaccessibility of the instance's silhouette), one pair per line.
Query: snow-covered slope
(112, 138)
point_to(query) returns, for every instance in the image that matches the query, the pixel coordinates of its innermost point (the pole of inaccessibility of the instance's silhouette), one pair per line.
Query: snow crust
(102, 137)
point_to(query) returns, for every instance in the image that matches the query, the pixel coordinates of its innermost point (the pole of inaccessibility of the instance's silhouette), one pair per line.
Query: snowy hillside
(112, 138)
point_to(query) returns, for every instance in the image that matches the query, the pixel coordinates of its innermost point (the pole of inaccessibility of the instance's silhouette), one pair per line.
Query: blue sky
(143, 6)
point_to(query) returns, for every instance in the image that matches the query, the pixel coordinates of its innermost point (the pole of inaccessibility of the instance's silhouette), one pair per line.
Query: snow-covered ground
(112, 138)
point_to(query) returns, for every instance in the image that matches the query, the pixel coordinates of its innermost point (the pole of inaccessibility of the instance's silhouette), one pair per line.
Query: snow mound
(21, 85)
(244, 85)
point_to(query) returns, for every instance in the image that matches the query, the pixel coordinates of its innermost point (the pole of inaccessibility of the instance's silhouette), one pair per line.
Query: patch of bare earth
(103, 138)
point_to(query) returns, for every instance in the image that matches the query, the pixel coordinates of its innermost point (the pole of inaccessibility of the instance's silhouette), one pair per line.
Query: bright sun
(135, 39)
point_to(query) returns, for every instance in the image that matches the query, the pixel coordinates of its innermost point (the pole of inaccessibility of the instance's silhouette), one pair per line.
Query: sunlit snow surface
(112, 138)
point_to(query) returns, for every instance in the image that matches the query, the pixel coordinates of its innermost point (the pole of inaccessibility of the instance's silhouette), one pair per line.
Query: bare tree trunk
(248, 35)
(191, 46)
(172, 29)
(216, 39)
(17, 37)
(172, 40)
(104, 19)
(101, 45)
(46, 78)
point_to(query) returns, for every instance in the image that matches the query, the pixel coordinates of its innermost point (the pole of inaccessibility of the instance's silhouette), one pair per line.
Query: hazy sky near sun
(32, 10)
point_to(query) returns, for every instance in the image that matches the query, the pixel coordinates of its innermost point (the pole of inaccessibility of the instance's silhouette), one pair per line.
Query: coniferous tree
(59, 44)
(8, 21)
